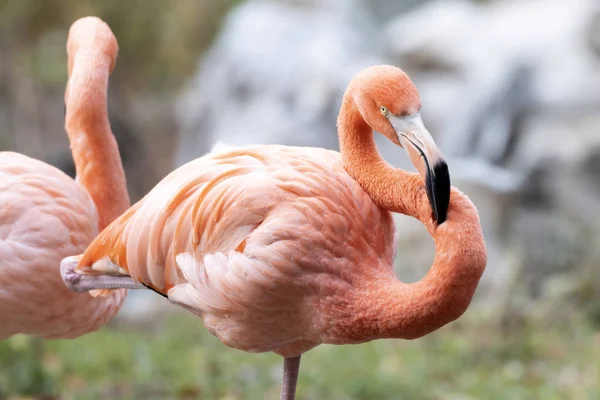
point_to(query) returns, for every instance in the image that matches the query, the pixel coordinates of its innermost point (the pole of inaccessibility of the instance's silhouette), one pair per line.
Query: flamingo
(283, 248)
(46, 215)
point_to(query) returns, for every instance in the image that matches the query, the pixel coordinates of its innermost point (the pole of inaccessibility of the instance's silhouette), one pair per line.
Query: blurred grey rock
(276, 74)
(463, 56)
(513, 89)
(551, 242)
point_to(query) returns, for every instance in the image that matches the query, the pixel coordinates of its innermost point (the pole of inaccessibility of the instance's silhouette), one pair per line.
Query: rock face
(510, 96)
(514, 99)
(276, 74)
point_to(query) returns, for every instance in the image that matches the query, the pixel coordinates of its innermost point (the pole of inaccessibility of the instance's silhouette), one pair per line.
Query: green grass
(176, 358)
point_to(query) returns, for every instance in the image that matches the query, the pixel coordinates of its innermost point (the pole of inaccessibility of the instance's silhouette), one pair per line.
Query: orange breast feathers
(243, 200)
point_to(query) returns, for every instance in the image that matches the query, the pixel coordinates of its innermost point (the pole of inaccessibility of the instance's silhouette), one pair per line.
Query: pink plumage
(45, 215)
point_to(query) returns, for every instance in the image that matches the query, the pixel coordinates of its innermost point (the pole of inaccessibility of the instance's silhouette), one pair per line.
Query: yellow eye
(384, 110)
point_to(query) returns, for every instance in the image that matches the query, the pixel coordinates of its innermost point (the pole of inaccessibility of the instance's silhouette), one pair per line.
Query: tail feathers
(190, 268)
(191, 295)
(206, 287)
(185, 294)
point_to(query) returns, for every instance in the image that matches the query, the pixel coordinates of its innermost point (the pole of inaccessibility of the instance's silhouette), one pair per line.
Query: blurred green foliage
(178, 359)
(160, 41)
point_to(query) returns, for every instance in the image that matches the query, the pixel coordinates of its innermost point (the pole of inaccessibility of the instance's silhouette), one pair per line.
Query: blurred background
(511, 94)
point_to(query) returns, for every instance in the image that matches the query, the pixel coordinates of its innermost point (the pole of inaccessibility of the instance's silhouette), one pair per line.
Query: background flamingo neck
(95, 150)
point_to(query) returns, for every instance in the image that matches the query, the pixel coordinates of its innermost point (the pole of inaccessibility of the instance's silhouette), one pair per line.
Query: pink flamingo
(46, 215)
(284, 248)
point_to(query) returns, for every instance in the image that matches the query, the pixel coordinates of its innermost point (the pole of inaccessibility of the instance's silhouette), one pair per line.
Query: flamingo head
(389, 102)
(90, 35)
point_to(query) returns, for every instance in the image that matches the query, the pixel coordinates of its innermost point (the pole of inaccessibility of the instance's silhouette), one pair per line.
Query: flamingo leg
(83, 283)
(291, 367)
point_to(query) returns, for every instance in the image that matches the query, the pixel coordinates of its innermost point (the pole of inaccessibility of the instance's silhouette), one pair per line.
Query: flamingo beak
(428, 160)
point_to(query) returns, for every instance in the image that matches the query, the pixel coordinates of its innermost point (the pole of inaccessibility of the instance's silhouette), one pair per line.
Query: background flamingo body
(46, 216)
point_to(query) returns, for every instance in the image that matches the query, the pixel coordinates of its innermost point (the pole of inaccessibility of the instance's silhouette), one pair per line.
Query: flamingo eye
(384, 110)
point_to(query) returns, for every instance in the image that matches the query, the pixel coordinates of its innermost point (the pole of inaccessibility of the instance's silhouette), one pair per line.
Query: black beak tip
(438, 190)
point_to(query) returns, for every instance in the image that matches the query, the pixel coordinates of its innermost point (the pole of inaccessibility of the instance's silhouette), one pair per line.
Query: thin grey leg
(291, 367)
(82, 283)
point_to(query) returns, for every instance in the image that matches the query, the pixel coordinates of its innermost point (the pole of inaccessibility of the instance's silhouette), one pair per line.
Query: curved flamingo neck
(95, 151)
(412, 310)
(390, 188)
(386, 307)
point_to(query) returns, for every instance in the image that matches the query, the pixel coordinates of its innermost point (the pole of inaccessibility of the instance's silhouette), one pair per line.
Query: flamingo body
(254, 240)
(45, 216)
(272, 246)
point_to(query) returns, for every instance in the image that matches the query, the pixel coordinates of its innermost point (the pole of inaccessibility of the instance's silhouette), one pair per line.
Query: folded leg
(83, 283)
